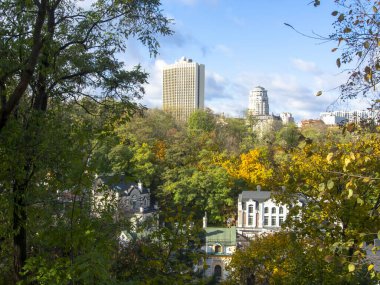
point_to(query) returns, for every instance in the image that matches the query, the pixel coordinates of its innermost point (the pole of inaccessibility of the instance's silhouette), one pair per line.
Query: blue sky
(243, 44)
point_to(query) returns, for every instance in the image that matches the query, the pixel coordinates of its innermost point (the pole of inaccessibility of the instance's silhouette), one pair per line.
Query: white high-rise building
(258, 102)
(183, 88)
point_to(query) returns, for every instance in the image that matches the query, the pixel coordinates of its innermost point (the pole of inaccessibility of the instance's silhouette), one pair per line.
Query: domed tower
(258, 102)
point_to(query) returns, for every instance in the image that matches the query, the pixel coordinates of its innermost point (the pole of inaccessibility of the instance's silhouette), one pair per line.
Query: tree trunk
(19, 237)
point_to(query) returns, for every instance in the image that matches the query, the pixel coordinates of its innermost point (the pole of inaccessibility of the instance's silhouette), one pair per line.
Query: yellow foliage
(253, 167)
(160, 150)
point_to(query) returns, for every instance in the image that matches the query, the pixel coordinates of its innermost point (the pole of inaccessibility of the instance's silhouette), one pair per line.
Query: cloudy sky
(244, 44)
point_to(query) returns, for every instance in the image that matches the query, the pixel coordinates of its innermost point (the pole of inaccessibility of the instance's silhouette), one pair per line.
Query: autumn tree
(356, 34)
(283, 258)
(340, 183)
(54, 51)
(254, 167)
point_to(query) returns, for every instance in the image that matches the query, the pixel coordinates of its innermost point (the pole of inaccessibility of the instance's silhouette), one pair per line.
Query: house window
(250, 215)
(266, 210)
(273, 222)
(280, 221)
(273, 210)
(218, 272)
(266, 220)
(218, 248)
(281, 210)
(134, 202)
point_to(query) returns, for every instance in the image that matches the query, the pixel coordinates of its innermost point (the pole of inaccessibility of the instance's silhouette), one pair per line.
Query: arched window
(218, 248)
(281, 210)
(250, 215)
(274, 217)
(218, 272)
(134, 202)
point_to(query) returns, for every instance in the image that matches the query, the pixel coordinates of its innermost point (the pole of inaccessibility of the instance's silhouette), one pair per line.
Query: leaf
(375, 10)
(319, 93)
(334, 49)
(367, 179)
(330, 184)
(341, 17)
(378, 234)
(329, 157)
(350, 193)
(366, 44)
(334, 13)
(370, 267)
(322, 187)
(338, 62)
(329, 258)
(347, 30)
(351, 267)
(360, 201)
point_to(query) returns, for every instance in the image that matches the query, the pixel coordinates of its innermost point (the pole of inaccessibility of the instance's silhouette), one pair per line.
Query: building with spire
(183, 88)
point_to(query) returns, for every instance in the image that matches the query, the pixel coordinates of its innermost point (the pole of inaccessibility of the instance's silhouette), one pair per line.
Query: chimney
(258, 187)
(139, 185)
(205, 221)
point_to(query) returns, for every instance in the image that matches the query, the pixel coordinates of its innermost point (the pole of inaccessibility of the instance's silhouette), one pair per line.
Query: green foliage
(282, 258)
(201, 120)
(288, 136)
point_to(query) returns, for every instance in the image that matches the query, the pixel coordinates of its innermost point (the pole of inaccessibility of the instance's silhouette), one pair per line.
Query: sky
(244, 44)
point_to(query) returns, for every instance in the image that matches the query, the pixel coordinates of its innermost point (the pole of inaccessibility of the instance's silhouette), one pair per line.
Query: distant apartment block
(339, 117)
(183, 88)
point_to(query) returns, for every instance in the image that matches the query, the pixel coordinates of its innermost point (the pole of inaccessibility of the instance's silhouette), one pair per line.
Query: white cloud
(306, 66)
(153, 90)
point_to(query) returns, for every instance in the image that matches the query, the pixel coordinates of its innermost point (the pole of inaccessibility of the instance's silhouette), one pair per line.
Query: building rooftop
(120, 184)
(225, 236)
(259, 196)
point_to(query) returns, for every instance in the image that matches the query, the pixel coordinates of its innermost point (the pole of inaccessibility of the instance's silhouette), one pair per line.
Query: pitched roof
(119, 183)
(259, 196)
(225, 236)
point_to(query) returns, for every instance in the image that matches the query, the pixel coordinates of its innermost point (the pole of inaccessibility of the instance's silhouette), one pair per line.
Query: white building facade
(258, 214)
(339, 117)
(183, 88)
(258, 102)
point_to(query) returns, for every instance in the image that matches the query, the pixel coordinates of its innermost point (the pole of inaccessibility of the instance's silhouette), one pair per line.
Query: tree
(288, 136)
(357, 34)
(202, 120)
(340, 183)
(59, 49)
(282, 258)
(54, 51)
(254, 167)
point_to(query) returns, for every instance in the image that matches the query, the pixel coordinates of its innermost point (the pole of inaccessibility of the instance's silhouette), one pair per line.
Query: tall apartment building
(183, 88)
(258, 102)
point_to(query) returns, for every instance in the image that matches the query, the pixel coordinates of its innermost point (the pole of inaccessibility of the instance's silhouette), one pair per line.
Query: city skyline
(248, 45)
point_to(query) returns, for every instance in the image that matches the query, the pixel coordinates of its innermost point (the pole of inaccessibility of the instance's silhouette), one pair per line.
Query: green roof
(224, 236)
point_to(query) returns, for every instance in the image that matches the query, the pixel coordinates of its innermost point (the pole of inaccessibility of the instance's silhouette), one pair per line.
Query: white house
(258, 213)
